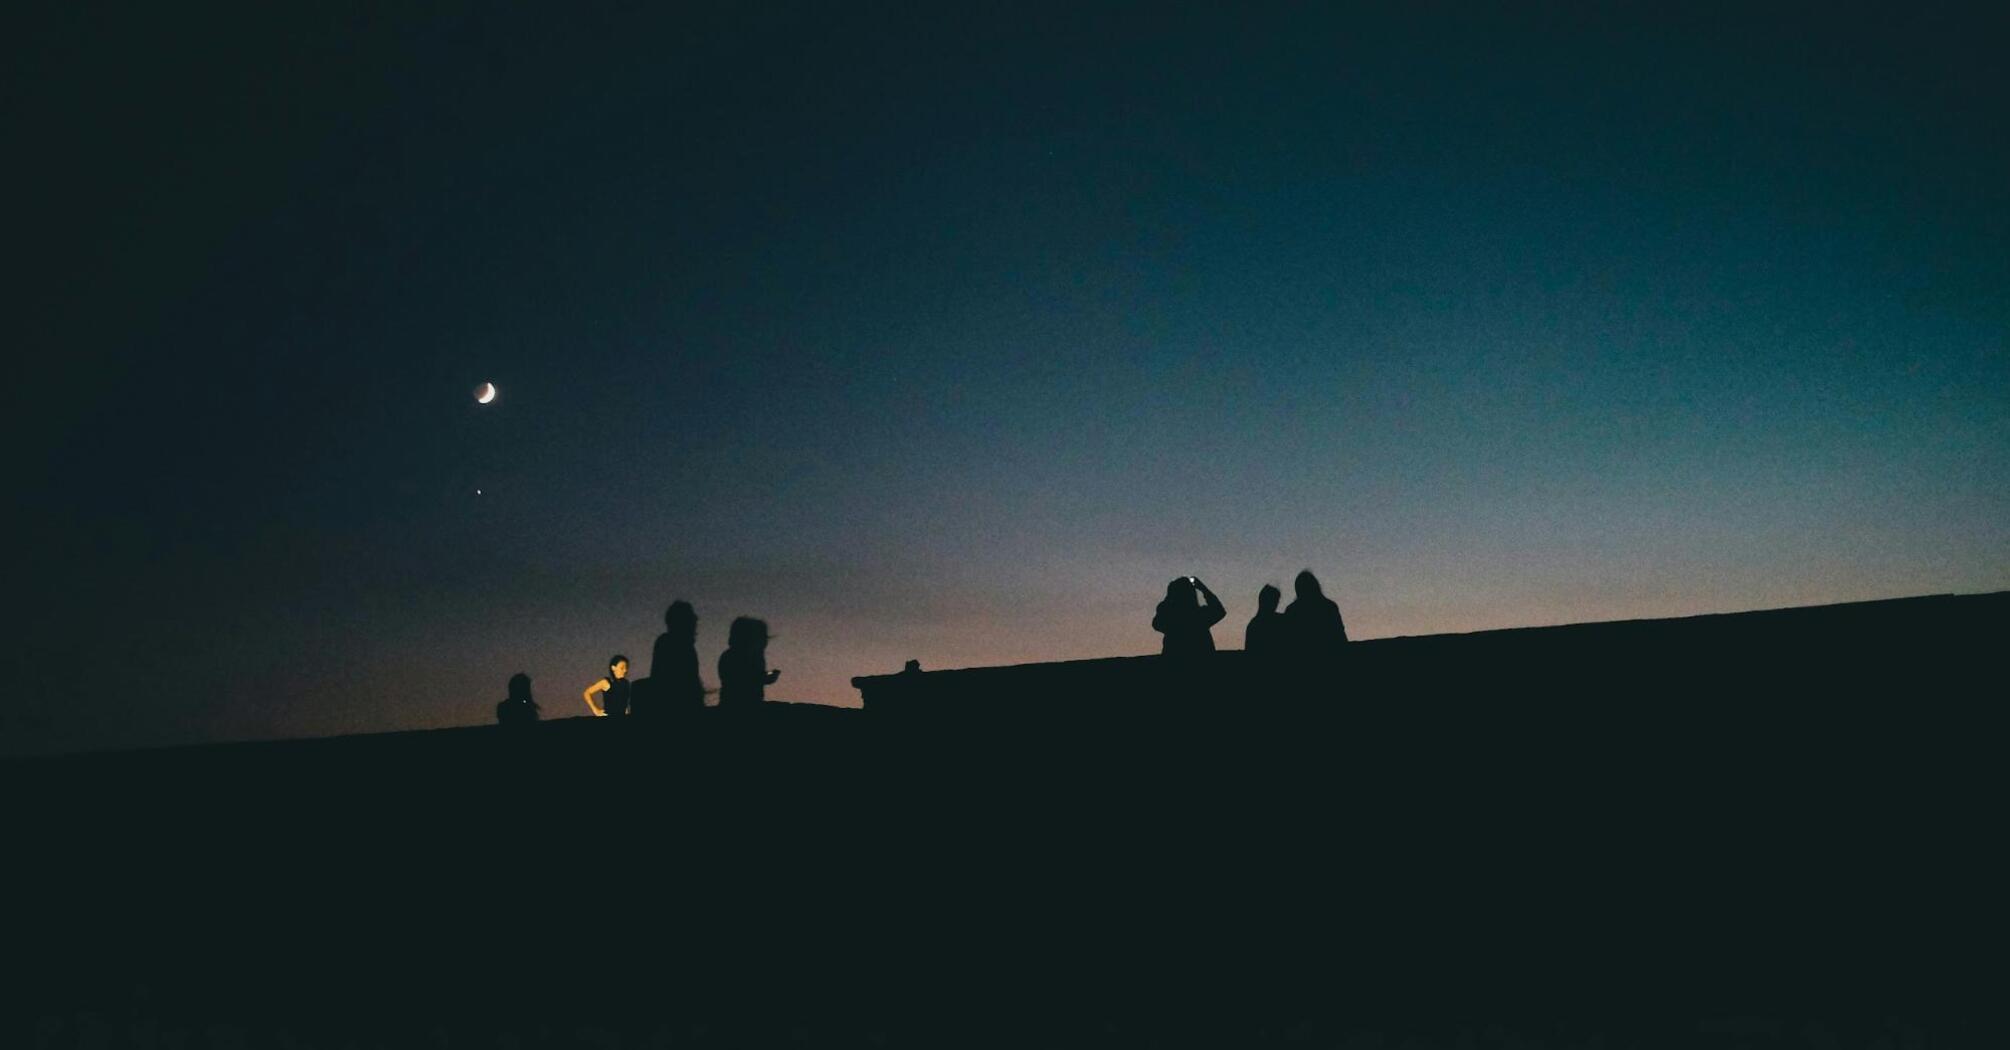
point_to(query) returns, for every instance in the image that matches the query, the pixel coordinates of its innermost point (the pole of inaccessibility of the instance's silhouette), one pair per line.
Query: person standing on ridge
(1187, 625)
(1265, 634)
(673, 663)
(1313, 621)
(744, 676)
(609, 696)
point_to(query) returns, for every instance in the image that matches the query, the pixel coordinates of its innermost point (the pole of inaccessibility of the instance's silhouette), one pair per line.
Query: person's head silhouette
(1267, 598)
(680, 620)
(617, 667)
(517, 708)
(1180, 592)
(1307, 585)
(748, 633)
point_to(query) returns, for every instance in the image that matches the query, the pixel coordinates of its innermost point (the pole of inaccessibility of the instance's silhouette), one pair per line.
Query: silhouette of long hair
(680, 621)
(1307, 585)
(519, 688)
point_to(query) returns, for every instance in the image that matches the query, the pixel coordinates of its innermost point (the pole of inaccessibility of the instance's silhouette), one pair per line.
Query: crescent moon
(485, 393)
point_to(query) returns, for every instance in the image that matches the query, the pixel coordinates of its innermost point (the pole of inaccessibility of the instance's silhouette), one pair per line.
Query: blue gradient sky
(954, 337)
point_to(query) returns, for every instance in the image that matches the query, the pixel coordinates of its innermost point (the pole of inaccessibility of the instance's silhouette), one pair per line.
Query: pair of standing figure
(1308, 630)
(673, 683)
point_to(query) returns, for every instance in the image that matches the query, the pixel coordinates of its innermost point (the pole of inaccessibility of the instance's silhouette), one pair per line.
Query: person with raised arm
(1187, 624)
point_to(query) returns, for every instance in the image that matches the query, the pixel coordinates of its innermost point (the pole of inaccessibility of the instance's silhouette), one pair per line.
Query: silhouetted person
(1265, 635)
(610, 695)
(1186, 624)
(517, 708)
(673, 663)
(743, 668)
(1313, 622)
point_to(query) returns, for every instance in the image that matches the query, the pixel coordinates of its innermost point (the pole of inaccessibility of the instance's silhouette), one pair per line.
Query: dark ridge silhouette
(1605, 834)
(517, 708)
(1783, 652)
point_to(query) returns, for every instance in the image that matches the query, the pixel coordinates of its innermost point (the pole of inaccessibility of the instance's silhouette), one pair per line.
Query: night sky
(954, 335)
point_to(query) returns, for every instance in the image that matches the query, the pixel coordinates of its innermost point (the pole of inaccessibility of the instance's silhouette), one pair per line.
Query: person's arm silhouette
(592, 697)
(1214, 613)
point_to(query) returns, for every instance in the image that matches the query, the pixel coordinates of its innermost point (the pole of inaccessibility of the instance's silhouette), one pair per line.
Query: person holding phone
(1184, 621)
(744, 675)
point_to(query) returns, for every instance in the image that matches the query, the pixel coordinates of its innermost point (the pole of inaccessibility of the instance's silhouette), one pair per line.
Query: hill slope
(1789, 810)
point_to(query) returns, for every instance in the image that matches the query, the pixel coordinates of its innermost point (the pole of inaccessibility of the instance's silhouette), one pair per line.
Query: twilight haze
(954, 336)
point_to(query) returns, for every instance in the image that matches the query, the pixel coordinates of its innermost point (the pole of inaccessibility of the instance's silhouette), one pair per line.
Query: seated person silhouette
(673, 664)
(1313, 622)
(744, 676)
(517, 708)
(1265, 634)
(1184, 623)
(609, 696)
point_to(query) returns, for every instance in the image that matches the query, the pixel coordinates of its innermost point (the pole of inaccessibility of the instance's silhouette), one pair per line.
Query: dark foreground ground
(1779, 829)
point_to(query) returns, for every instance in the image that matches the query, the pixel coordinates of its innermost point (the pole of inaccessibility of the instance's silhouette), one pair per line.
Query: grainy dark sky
(954, 334)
